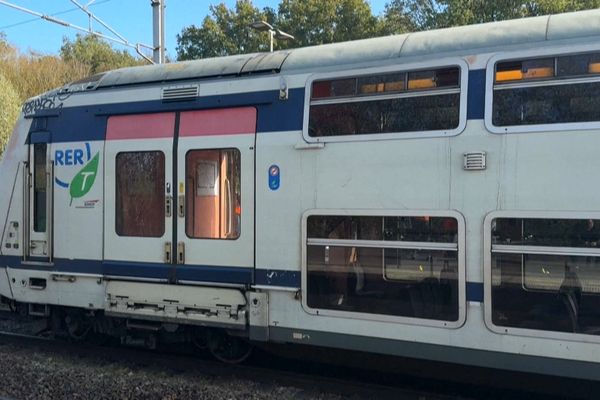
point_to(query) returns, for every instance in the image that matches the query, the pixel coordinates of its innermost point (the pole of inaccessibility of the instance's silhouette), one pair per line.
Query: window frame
(487, 271)
(532, 54)
(462, 304)
(396, 68)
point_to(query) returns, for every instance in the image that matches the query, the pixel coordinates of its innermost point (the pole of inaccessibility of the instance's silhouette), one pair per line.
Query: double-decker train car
(431, 195)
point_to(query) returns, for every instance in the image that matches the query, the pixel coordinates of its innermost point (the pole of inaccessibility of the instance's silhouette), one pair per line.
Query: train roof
(464, 39)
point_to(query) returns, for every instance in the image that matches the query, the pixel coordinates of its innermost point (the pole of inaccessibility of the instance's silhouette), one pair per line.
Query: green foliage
(226, 31)
(429, 14)
(401, 16)
(96, 54)
(10, 101)
(314, 22)
(26, 75)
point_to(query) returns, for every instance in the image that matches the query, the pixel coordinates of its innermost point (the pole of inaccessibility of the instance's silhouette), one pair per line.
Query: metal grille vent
(185, 93)
(474, 161)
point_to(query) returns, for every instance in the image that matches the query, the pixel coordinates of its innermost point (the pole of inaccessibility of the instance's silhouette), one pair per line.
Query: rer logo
(84, 180)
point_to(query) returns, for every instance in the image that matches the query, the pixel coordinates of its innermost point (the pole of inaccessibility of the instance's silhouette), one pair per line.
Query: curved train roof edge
(447, 40)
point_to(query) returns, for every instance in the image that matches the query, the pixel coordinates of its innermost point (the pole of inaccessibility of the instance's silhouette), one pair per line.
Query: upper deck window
(550, 90)
(412, 101)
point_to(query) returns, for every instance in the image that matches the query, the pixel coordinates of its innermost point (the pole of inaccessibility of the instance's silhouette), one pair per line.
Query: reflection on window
(547, 232)
(40, 183)
(378, 265)
(558, 96)
(386, 103)
(213, 193)
(140, 194)
(546, 274)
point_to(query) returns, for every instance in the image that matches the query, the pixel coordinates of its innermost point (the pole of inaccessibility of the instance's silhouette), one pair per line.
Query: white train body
(208, 193)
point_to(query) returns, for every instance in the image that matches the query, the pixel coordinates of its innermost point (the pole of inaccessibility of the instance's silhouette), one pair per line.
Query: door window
(39, 187)
(213, 193)
(140, 194)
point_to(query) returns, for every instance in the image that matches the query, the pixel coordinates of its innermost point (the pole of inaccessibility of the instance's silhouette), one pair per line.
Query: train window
(213, 193)
(554, 90)
(425, 100)
(388, 265)
(140, 194)
(546, 274)
(40, 183)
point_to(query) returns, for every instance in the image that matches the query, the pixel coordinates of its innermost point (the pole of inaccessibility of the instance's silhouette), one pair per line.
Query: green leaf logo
(84, 180)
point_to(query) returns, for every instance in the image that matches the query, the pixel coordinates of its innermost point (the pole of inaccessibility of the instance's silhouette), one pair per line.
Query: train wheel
(228, 349)
(78, 326)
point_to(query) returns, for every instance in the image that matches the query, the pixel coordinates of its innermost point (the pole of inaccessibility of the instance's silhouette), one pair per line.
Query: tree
(314, 22)
(430, 14)
(10, 101)
(225, 32)
(401, 16)
(96, 54)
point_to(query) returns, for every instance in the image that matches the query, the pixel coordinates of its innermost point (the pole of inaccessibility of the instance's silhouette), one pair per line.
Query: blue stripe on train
(88, 123)
(475, 292)
(193, 273)
(476, 94)
(274, 277)
(197, 273)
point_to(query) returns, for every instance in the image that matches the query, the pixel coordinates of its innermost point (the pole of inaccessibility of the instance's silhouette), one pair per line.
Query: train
(429, 195)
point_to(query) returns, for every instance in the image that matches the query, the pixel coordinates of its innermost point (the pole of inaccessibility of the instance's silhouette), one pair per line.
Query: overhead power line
(118, 39)
(28, 21)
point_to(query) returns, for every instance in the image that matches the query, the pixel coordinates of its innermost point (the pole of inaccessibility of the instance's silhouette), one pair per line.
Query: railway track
(175, 363)
(305, 378)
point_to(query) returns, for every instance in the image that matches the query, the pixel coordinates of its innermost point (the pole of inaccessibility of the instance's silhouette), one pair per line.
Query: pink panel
(231, 121)
(143, 126)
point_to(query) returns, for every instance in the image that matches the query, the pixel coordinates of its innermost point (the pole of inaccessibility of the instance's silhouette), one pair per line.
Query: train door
(215, 204)
(38, 200)
(139, 195)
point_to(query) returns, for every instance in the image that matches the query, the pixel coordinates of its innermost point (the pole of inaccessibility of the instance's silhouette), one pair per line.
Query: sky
(132, 19)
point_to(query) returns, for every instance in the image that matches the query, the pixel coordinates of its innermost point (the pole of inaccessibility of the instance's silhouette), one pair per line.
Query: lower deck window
(546, 274)
(397, 266)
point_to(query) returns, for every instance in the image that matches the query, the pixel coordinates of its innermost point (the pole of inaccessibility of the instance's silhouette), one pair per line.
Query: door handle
(168, 256)
(180, 253)
(181, 206)
(168, 206)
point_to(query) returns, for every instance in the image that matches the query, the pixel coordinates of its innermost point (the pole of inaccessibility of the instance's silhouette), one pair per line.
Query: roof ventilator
(474, 161)
(180, 93)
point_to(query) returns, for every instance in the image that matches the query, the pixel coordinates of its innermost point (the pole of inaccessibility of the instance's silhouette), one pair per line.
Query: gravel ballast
(34, 373)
